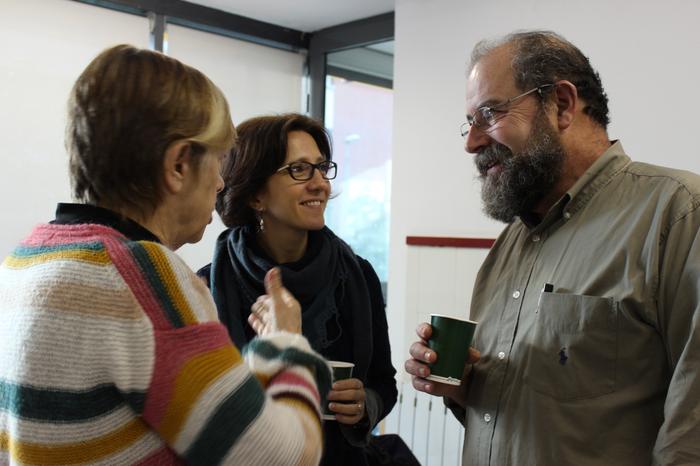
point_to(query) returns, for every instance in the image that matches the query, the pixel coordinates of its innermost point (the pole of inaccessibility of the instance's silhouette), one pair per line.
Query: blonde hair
(126, 108)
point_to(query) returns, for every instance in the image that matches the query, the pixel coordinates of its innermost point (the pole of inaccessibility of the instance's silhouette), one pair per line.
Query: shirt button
(567, 215)
(487, 417)
(501, 355)
(516, 294)
(535, 238)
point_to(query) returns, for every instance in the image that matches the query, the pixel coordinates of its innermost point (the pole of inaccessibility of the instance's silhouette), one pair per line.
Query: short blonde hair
(125, 109)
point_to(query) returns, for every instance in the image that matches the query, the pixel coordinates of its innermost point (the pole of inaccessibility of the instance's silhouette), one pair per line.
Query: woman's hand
(277, 310)
(347, 399)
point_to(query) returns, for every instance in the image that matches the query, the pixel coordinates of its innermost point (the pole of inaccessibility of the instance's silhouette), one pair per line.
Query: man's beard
(526, 177)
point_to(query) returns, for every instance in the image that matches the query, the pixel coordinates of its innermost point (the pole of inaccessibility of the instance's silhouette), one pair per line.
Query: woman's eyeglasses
(304, 171)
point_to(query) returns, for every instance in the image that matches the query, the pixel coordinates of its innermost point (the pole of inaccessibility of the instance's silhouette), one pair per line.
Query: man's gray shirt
(602, 370)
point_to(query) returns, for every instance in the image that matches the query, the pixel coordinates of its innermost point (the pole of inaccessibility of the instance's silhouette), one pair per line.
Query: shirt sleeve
(203, 399)
(679, 318)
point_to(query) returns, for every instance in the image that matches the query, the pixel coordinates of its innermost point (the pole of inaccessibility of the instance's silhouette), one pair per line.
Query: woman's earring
(261, 222)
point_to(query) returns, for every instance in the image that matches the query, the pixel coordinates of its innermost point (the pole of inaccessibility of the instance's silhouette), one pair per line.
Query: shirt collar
(71, 214)
(593, 179)
(603, 170)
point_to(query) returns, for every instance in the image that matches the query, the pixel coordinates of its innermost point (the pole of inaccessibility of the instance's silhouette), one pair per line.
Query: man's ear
(566, 99)
(177, 166)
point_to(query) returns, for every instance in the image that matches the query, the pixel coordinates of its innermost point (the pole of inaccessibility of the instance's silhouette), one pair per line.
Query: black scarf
(328, 281)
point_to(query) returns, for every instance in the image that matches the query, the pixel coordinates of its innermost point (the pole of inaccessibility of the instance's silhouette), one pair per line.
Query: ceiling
(303, 15)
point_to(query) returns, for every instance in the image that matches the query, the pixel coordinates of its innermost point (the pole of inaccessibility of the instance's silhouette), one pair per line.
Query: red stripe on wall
(436, 241)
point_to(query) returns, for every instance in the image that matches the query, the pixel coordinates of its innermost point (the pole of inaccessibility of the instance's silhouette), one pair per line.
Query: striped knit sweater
(111, 353)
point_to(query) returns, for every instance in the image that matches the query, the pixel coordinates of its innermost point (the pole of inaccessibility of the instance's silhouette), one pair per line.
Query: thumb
(273, 283)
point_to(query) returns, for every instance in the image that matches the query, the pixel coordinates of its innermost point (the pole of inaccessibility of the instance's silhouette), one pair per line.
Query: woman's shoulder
(366, 266)
(374, 285)
(204, 272)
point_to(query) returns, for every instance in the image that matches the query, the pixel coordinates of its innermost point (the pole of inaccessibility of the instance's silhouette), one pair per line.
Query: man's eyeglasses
(487, 116)
(304, 171)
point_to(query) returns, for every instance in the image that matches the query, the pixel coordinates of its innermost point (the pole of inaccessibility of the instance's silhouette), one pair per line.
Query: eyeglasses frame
(499, 108)
(314, 166)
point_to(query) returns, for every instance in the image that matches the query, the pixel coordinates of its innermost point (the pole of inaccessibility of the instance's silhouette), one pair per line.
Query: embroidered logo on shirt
(562, 356)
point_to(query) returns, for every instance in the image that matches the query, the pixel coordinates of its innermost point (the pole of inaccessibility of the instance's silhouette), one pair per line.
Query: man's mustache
(490, 156)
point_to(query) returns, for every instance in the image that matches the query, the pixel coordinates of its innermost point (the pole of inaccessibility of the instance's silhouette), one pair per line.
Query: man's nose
(476, 140)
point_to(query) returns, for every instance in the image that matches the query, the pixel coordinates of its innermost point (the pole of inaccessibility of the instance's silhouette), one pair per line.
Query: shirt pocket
(572, 353)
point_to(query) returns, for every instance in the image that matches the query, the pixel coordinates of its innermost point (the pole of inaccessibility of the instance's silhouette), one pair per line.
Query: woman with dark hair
(277, 184)
(110, 348)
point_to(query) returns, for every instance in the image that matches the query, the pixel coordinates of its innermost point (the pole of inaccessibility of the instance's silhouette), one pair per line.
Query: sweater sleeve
(208, 403)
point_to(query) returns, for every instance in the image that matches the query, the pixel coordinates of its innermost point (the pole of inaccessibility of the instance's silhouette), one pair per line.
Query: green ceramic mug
(340, 370)
(450, 339)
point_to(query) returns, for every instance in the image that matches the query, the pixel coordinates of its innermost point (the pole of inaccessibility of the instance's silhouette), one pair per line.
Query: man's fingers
(419, 351)
(416, 368)
(422, 385)
(424, 331)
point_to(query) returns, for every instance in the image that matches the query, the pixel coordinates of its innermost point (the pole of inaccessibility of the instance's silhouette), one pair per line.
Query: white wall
(44, 46)
(255, 79)
(439, 281)
(647, 55)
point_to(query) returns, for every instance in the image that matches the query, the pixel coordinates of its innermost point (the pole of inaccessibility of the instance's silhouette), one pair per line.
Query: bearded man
(588, 344)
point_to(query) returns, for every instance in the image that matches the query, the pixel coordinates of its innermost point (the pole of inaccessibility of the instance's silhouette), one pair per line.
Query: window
(359, 117)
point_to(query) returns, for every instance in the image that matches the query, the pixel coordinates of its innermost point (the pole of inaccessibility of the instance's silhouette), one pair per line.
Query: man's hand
(422, 355)
(277, 310)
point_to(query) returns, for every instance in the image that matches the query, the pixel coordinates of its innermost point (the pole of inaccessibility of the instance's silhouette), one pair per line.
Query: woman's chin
(195, 236)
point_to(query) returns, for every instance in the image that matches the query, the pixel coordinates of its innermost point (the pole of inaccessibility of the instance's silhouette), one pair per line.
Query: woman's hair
(125, 110)
(544, 57)
(260, 150)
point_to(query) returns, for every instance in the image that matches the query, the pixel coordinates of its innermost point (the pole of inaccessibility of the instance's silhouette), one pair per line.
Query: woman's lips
(313, 204)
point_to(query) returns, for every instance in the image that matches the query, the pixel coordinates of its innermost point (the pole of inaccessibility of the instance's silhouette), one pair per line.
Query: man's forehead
(490, 80)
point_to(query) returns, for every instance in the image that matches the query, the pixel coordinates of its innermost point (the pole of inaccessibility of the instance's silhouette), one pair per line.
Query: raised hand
(277, 310)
